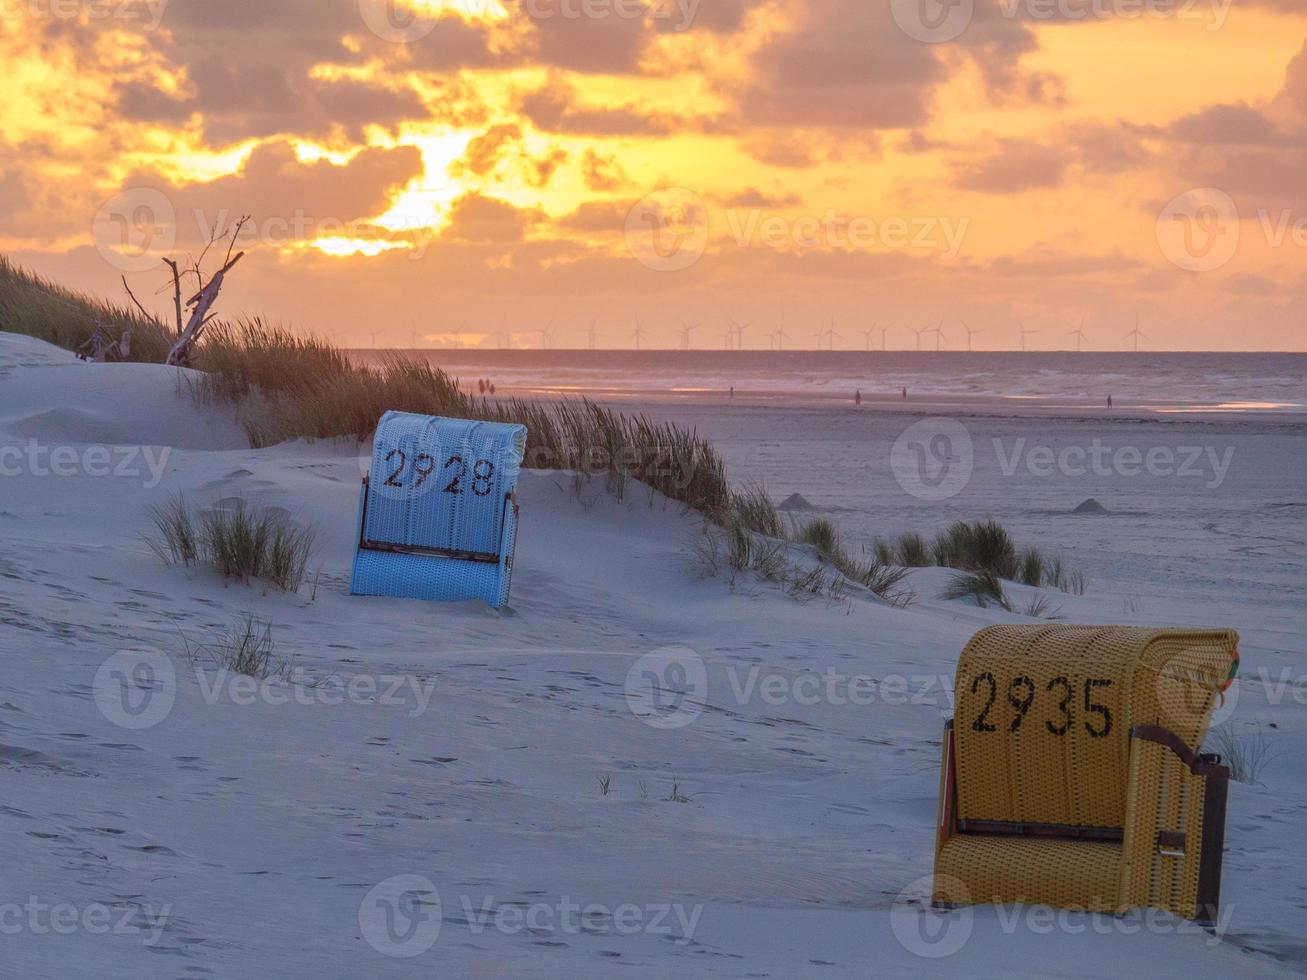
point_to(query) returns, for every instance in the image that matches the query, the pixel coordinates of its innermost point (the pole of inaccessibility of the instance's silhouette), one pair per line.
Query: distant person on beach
(857, 397)
(1109, 401)
(732, 391)
(905, 392)
(481, 385)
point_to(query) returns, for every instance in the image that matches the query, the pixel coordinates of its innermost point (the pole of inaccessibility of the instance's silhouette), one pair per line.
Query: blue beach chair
(438, 510)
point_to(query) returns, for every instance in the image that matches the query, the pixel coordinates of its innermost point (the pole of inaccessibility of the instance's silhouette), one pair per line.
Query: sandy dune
(234, 839)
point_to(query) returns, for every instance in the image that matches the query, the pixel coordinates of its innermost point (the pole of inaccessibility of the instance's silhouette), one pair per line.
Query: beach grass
(285, 385)
(35, 306)
(240, 542)
(984, 587)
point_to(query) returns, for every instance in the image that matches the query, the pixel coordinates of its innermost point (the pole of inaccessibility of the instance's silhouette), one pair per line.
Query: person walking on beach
(732, 391)
(905, 392)
(857, 397)
(1109, 401)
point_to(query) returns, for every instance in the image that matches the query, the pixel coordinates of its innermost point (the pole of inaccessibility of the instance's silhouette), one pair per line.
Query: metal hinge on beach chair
(1070, 773)
(438, 510)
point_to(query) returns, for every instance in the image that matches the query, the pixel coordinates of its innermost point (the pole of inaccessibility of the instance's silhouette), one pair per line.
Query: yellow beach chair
(1071, 773)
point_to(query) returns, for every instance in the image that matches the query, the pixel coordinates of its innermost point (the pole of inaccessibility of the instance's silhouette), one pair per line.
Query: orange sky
(472, 172)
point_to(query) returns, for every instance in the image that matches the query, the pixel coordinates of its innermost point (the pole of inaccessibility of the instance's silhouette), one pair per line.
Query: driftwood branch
(176, 292)
(200, 305)
(145, 313)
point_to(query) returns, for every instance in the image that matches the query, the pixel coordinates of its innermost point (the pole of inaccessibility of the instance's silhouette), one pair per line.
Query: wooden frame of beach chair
(438, 510)
(1043, 804)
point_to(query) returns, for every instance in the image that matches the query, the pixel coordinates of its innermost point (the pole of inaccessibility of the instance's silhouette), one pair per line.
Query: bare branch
(144, 313)
(176, 292)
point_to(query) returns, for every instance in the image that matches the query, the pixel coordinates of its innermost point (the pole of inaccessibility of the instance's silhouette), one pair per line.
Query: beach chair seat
(438, 510)
(1071, 773)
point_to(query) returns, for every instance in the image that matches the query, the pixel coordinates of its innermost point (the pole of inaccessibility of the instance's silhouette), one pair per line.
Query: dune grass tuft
(239, 542)
(985, 587)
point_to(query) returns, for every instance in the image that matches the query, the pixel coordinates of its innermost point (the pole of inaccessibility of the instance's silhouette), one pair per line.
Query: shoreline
(928, 403)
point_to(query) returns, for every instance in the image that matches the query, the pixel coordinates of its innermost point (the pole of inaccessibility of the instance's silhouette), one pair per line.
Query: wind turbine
(638, 332)
(590, 334)
(918, 331)
(867, 334)
(546, 335)
(1136, 333)
(780, 334)
(1079, 334)
(739, 333)
(939, 334)
(830, 335)
(687, 327)
(1024, 331)
(883, 332)
(971, 331)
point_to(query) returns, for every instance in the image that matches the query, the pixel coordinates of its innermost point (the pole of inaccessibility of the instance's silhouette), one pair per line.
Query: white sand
(254, 832)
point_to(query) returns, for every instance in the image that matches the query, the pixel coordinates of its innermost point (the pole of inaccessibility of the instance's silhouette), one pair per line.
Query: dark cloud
(554, 109)
(478, 218)
(1016, 165)
(601, 216)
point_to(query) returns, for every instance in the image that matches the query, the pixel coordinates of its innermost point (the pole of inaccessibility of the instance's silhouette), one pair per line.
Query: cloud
(597, 216)
(486, 219)
(1016, 165)
(554, 108)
